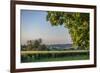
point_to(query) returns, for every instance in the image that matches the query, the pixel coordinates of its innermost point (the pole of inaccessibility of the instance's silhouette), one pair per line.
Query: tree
(77, 24)
(29, 45)
(23, 47)
(43, 47)
(34, 44)
(37, 43)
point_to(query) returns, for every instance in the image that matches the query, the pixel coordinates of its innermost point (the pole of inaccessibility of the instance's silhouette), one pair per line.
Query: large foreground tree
(77, 24)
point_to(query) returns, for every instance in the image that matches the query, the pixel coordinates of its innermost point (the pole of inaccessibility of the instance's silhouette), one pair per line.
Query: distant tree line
(35, 45)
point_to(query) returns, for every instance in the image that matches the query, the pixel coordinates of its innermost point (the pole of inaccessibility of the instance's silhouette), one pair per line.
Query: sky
(35, 26)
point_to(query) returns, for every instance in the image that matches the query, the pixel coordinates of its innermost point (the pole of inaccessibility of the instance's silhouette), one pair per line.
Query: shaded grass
(65, 58)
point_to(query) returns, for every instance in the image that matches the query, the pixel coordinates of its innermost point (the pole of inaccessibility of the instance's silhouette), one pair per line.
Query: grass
(82, 57)
(44, 58)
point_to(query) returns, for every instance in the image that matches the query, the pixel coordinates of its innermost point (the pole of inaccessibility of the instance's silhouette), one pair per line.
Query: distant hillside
(60, 46)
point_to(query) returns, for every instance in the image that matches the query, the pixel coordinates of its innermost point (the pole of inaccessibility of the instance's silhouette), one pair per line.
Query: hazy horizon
(25, 42)
(35, 26)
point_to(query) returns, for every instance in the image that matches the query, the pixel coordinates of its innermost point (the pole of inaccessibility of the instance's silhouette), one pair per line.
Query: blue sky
(35, 26)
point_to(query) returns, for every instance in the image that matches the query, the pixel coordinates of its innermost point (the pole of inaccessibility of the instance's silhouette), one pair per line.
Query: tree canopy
(77, 24)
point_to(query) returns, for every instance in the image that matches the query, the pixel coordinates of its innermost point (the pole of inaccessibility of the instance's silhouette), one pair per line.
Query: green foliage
(43, 47)
(77, 23)
(29, 45)
(35, 45)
